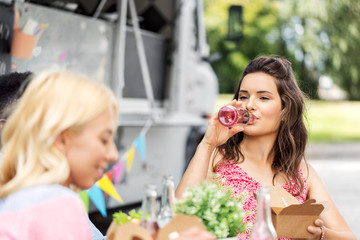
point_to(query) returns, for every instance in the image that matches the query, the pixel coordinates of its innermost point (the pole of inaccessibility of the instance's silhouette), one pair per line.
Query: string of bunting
(106, 184)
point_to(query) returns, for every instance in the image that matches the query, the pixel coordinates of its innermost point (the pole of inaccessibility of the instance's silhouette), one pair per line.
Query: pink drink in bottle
(230, 115)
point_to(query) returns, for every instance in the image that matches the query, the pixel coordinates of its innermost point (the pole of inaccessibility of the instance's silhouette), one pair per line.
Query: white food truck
(154, 55)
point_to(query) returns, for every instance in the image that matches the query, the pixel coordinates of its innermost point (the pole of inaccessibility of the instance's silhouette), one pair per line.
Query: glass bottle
(167, 201)
(229, 115)
(263, 228)
(148, 211)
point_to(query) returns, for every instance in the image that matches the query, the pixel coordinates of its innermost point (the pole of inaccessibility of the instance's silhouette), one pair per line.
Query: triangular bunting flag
(97, 197)
(85, 198)
(110, 174)
(130, 158)
(118, 170)
(140, 146)
(106, 185)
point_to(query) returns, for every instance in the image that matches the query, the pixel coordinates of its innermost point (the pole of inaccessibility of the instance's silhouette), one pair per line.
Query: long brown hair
(289, 147)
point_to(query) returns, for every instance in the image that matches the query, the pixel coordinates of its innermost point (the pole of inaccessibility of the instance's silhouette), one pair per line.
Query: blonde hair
(53, 102)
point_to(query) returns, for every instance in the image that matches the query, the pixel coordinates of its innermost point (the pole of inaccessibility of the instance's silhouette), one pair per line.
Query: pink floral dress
(232, 175)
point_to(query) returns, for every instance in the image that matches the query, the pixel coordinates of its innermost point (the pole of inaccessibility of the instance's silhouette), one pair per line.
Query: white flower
(222, 214)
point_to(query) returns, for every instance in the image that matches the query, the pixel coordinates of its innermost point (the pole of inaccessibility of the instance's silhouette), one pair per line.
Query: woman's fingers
(318, 229)
(195, 234)
(235, 129)
(319, 223)
(235, 103)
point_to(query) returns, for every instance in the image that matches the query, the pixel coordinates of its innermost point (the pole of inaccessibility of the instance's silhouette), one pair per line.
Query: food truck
(152, 53)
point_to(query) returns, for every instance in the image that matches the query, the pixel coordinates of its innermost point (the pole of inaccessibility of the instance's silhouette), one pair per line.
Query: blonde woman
(60, 134)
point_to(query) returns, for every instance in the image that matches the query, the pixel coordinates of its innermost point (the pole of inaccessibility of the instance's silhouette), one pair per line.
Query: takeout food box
(131, 231)
(290, 218)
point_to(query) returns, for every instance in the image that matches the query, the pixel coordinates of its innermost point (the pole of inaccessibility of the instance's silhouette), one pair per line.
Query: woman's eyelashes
(243, 97)
(104, 141)
(263, 98)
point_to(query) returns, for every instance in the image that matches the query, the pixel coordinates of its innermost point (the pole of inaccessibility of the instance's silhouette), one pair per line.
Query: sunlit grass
(326, 121)
(333, 121)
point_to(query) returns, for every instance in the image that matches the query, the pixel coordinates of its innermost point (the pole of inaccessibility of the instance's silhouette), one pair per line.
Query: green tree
(319, 37)
(342, 58)
(260, 37)
(324, 35)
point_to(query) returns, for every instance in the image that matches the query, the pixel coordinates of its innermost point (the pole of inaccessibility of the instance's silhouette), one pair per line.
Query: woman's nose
(112, 154)
(250, 105)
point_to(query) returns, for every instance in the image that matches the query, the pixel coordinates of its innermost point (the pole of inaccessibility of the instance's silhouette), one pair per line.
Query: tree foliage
(328, 40)
(319, 37)
(259, 28)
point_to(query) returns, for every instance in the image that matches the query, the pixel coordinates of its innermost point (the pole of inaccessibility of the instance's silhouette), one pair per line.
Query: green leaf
(135, 215)
(121, 218)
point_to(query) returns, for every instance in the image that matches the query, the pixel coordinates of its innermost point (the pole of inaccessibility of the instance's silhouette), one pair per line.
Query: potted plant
(221, 213)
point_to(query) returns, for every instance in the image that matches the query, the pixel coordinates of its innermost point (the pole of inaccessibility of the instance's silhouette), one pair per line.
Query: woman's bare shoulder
(307, 169)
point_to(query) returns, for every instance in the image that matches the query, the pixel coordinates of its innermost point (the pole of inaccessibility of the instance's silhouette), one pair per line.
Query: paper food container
(131, 231)
(290, 218)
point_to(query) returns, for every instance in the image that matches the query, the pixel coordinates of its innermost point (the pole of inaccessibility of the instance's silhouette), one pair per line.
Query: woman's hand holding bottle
(217, 134)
